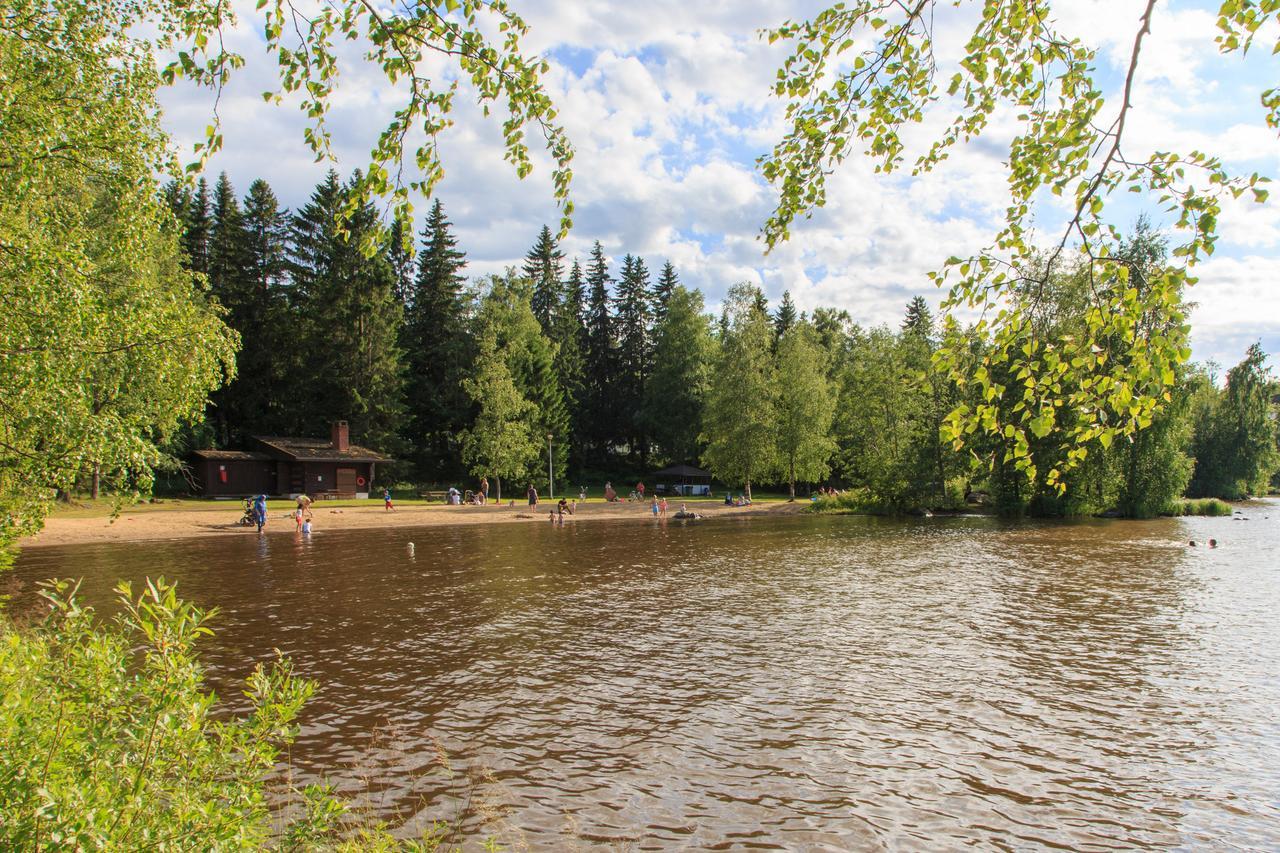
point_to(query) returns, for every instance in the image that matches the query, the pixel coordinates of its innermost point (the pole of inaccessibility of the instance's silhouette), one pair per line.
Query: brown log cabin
(278, 465)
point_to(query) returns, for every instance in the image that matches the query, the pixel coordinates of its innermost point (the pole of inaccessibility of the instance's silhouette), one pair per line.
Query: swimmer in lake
(1213, 543)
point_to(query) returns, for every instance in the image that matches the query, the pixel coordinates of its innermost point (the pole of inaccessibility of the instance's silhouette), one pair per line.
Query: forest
(626, 370)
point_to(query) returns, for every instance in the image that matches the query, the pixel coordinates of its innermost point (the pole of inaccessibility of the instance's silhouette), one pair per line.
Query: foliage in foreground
(112, 742)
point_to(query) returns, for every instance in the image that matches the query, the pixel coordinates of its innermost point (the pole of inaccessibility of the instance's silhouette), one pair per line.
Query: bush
(855, 501)
(109, 741)
(1197, 506)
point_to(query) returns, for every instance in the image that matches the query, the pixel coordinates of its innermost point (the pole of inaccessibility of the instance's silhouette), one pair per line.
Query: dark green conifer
(544, 265)
(437, 350)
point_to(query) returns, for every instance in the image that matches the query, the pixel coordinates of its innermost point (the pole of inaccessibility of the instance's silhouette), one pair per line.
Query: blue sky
(668, 104)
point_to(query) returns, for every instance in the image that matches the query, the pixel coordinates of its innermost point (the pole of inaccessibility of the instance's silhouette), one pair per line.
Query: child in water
(306, 527)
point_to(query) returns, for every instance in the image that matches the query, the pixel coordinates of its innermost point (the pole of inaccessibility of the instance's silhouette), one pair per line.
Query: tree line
(607, 367)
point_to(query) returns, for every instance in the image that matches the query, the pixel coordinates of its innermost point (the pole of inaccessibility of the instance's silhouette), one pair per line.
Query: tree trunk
(747, 490)
(498, 481)
(791, 484)
(96, 483)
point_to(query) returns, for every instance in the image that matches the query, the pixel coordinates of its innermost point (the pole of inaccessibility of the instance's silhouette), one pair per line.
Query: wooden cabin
(280, 465)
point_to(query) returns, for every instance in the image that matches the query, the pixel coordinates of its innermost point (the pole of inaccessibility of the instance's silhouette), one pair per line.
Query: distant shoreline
(206, 521)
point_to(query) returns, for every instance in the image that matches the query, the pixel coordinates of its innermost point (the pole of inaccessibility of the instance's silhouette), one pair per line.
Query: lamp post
(551, 476)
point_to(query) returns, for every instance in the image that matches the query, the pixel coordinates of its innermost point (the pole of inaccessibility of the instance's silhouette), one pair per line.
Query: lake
(803, 682)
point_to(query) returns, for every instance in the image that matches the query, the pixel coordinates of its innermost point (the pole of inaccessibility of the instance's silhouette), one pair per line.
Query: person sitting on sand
(609, 494)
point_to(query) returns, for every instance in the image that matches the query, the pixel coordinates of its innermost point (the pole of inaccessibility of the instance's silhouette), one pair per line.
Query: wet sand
(221, 519)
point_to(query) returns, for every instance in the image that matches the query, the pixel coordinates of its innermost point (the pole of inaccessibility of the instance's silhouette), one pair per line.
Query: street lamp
(551, 476)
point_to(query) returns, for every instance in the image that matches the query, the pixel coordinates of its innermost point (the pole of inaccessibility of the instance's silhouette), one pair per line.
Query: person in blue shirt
(260, 511)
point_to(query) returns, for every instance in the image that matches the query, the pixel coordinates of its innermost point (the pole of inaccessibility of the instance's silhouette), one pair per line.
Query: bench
(335, 495)
(432, 496)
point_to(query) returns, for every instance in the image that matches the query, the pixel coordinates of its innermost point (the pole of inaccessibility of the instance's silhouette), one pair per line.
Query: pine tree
(268, 350)
(400, 255)
(633, 328)
(225, 262)
(570, 337)
(195, 242)
(786, 316)
(544, 265)
(350, 321)
(437, 351)
(668, 281)
(597, 410)
(919, 319)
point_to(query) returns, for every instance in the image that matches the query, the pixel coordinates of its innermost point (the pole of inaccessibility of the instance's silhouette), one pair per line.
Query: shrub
(855, 501)
(109, 741)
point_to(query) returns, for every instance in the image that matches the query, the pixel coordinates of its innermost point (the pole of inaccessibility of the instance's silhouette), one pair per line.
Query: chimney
(340, 437)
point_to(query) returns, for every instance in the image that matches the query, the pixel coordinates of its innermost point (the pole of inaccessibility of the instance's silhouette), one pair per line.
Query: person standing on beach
(533, 495)
(260, 511)
(484, 490)
(386, 500)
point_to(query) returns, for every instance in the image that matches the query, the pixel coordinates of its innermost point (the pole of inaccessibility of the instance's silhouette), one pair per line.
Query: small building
(682, 480)
(280, 465)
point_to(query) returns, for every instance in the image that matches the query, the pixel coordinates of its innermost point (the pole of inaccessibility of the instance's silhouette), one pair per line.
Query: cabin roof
(317, 450)
(682, 471)
(225, 455)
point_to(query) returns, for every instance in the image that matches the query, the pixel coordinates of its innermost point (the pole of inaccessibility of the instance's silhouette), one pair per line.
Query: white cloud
(669, 103)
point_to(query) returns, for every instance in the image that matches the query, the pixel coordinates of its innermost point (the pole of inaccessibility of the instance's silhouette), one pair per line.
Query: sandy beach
(204, 519)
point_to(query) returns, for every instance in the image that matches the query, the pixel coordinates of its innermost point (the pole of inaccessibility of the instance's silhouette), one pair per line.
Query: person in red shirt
(640, 490)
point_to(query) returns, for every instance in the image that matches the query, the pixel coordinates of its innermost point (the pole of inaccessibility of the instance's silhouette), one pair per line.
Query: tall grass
(1197, 506)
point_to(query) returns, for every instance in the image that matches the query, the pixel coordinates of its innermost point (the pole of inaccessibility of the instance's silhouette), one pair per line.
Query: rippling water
(813, 683)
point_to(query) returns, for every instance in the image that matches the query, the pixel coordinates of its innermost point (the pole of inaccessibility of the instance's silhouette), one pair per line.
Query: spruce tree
(786, 316)
(668, 281)
(400, 255)
(919, 319)
(437, 352)
(596, 407)
(195, 242)
(225, 249)
(349, 320)
(569, 336)
(633, 318)
(268, 349)
(544, 265)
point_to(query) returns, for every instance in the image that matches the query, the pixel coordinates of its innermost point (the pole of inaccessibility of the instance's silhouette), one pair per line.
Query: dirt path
(212, 520)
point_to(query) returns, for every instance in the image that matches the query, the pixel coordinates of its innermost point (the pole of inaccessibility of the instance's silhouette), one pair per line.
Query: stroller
(250, 518)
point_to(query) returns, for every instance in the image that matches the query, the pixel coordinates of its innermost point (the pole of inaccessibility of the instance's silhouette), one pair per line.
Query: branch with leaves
(860, 72)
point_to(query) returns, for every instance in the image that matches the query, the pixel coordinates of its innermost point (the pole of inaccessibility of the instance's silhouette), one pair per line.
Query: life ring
(359, 481)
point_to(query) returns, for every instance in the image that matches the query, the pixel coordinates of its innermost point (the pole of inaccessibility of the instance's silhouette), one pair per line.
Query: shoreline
(133, 525)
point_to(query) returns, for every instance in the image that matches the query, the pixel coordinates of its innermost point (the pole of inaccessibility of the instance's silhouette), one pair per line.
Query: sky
(668, 105)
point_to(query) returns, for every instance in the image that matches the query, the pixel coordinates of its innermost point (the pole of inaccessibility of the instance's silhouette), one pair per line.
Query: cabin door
(346, 480)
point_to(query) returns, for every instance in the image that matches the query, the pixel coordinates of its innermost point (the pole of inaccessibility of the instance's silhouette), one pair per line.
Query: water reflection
(808, 683)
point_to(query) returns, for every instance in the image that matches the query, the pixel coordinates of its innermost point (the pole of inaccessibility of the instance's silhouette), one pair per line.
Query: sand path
(220, 519)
